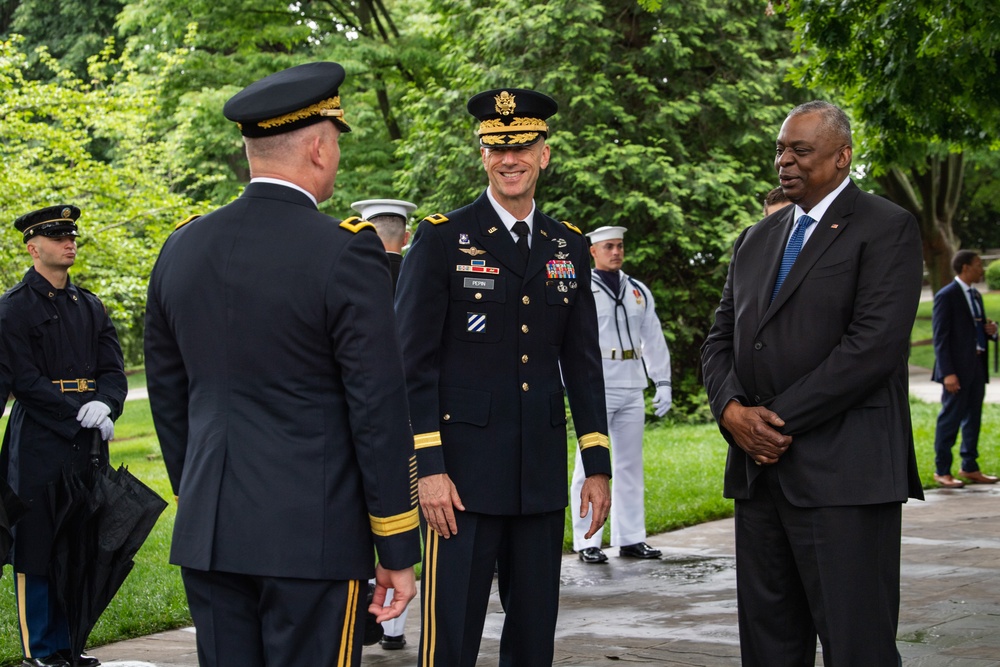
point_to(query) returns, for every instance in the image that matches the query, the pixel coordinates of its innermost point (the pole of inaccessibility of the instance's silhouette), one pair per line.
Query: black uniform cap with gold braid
(511, 117)
(52, 221)
(288, 100)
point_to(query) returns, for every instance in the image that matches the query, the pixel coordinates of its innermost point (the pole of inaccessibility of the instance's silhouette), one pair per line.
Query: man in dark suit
(278, 396)
(806, 370)
(487, 322)
(960, 334)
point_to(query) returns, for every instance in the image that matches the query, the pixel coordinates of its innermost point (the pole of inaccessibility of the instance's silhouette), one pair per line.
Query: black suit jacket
(955, 336)
(829, 355)
(483, 342)
(277, 392)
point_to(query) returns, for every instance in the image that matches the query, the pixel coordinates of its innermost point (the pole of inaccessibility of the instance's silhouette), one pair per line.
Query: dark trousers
(40, 619)
(960, 411)
(827, 571)
(526, 552)
(250, 621)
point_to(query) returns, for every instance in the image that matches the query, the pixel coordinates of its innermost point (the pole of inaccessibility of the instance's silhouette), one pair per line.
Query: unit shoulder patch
(436, 218)
(190, 218)
(354, 224)
(573, 227)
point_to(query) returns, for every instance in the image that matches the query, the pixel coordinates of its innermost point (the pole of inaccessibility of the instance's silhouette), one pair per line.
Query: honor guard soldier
(632, 348)
(68, 378)
(278, 396)
(493, 299)
(390, 217)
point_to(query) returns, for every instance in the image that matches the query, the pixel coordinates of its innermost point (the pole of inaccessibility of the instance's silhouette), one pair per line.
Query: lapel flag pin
(834, 226)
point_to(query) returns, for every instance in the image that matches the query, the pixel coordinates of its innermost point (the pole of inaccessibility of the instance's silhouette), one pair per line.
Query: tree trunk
(931, 192)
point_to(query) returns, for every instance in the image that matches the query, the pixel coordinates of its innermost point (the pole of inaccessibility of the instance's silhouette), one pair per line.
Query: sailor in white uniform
(633, 348)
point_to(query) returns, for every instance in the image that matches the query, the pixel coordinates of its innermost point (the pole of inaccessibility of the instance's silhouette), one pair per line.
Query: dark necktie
(977, 314)
(522, 231)
(791, 251)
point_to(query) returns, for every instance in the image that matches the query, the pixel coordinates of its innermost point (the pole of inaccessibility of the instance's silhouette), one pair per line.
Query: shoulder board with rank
(573, 227)
(190, 218)
(354, 224)
(436, 218)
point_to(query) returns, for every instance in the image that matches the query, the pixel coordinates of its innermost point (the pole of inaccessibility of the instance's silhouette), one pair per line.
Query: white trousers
(626, 423)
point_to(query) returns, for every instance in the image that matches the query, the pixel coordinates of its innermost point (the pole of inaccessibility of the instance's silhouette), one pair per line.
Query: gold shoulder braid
(354, 224)
(573, 227)
(436, 219)
(190, 218)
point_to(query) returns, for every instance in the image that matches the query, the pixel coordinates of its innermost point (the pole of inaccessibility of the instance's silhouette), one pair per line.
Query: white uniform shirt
(630, 328)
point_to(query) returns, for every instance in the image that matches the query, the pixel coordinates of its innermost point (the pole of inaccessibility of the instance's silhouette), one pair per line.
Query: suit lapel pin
(491, 230)
(834, 226)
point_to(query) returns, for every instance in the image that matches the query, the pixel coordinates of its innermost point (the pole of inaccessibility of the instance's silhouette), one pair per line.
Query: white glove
(91, 414)
(662, 401)
(107, 429)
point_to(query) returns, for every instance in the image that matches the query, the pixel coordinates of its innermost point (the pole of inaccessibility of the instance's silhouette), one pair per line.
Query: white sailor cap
(370, 208)
(606, 233)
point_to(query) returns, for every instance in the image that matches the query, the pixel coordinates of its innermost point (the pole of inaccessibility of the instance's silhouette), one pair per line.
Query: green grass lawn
(683, 464)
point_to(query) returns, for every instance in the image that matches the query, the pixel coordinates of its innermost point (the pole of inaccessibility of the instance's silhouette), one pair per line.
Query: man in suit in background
(277, 391)
(960, 364)
(486, 323)
(806, 370)
(390, 217)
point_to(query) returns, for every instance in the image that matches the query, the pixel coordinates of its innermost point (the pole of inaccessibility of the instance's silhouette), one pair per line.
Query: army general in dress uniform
(493, 299)
(278, 395)
(68, 378)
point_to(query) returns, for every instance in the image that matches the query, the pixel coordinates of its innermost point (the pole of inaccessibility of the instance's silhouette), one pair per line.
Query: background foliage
(666, 122)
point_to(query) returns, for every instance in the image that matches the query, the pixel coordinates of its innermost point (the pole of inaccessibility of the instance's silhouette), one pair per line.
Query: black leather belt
(80, 386)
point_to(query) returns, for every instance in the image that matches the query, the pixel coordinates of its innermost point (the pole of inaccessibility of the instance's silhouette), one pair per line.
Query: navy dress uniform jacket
(51, 335)
(828, 355)
(484, 339)
(277, 393)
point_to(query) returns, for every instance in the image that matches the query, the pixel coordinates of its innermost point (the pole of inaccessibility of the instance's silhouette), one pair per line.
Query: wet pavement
(681, 610)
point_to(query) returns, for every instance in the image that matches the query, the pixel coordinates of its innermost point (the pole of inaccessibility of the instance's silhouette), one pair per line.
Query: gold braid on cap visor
(327, 107)
(497, 126)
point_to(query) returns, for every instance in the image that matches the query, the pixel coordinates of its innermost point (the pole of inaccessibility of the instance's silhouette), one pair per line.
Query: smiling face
(513, 172)
(812, 159)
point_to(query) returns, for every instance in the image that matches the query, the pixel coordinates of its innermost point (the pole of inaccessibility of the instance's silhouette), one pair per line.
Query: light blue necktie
(791, 251)
(977, 314)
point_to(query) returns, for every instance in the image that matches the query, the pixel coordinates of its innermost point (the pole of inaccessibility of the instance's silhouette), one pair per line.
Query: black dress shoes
(54, 660)
(82, 660)
(639, 550)
(393, 643)
(592, 555)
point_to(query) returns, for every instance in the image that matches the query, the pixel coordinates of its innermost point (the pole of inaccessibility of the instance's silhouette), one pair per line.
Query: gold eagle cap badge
(505, 103)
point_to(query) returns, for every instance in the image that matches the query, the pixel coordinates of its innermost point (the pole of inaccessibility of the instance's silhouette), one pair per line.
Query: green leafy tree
(922, 78)
(71, 30)
(50, 128)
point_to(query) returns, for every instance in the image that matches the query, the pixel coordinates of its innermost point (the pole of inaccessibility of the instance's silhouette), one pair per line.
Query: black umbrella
(101, 518)
(11, 509)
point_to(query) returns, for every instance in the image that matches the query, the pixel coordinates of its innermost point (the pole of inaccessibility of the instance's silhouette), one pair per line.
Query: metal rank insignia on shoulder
(560, 268)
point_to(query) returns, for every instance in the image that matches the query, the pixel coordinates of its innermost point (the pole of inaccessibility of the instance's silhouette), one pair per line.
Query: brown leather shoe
(948, 482)
(978, 477)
